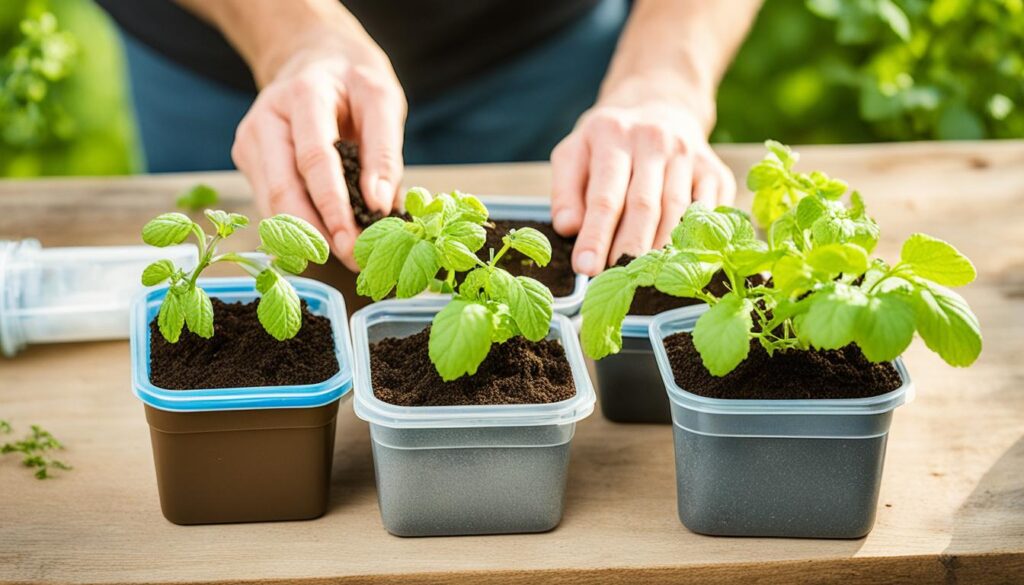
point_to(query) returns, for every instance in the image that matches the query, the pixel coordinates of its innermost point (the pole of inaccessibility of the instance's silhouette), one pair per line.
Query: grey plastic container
(787, 468)
(454, 470)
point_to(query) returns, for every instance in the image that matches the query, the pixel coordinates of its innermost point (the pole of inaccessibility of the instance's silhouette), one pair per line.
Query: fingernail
(563, 220)
(385, 193)
(587, 262)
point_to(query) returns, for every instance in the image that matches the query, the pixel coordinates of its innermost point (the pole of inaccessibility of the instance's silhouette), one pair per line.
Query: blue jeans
(517, 112)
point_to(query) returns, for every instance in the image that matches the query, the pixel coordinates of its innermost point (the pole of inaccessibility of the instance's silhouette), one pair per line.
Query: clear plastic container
(451, 470)
(252, 454)
(52, 295)
(787, 468)
(511, 207)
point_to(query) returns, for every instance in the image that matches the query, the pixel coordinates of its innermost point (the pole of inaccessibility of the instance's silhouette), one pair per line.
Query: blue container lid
(322, 300)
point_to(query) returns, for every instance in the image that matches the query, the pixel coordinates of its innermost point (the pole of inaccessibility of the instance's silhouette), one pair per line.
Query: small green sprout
(198, 197)
(34, 449)
(290, 242)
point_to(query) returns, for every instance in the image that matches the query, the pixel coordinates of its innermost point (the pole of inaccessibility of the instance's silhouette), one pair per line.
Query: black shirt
(433, 44)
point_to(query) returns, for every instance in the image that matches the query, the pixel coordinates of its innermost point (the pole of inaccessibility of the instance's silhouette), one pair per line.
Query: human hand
(624, 176)
(325, 85)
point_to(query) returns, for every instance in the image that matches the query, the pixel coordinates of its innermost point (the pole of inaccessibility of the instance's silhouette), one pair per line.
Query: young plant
(198, 197)
(778, 188)
(291, 243)
(489, 306)
(34, 450)
(825, 292)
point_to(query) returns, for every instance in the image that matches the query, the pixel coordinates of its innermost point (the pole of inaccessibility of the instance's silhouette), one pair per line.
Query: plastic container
(52, 295)
(243, 454)
(788, 468)
(451, 470)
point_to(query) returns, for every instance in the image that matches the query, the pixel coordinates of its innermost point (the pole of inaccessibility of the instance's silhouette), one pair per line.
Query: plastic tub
(242, 454)
(50, 295)
(789, 468)
(451, 470)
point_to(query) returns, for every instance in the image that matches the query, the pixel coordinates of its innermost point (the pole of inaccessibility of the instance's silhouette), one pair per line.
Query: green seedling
(489, 306)
(290, 242)
(826, 291)
(34, 450)
(198, 197)
(778, 188)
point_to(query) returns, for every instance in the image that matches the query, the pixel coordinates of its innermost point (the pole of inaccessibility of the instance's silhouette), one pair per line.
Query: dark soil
(841, 373)
(557, 275)
(515, 372)
(349, 152)
(241, 353)
(651, 301)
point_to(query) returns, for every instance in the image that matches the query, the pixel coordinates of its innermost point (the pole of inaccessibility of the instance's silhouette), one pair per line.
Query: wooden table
(952, 500)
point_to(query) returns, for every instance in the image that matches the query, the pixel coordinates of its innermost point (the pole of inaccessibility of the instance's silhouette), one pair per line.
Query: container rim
(145, 306)
(678, 320)
(369, 408)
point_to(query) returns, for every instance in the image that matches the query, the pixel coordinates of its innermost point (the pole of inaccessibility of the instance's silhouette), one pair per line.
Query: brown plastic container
(243, 465)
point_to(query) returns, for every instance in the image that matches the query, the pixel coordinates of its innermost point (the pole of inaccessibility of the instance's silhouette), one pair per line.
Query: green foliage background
(812, 71)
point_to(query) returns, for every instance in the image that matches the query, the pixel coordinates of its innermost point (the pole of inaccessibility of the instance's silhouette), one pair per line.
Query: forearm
(267, 32)
(677, 51)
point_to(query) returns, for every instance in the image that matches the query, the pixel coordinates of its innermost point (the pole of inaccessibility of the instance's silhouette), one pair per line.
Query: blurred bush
(63, 105)
(812, 71)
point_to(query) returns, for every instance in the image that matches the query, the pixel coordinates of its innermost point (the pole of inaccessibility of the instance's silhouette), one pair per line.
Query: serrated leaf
(290, 264)
(764, 175)
(808, 211)
(171, 317)
(782, 152)
(834, 259)
(198, 311)
(947, 325)
(470, 208)
(198, 197)
(684, 276)
(706, 229)
(371, 235)
(475, 281)
(419, 269)
(224, 222)
(722, 334)
(460, 338)
(644, 269)
(937, 261)
(279, 309)
(167, 229)
(287, 235)
(769, 204)
(885, 327)
(529, 302)
(832, 316)
(385, 263)
(792, 275)
(416, 201)
(605, 306)
(469, 234)
(532, 244)
(157, 272)
(455, 255)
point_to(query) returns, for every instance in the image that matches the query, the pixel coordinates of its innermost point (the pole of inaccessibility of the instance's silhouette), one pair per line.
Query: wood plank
(952, 500)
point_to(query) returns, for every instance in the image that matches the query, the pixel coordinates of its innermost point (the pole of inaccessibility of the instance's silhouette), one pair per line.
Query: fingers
(676, 196)
(569, 162)
(714, 184)
(314, 130)
(378, 112)
(609, 174)
(640, 221)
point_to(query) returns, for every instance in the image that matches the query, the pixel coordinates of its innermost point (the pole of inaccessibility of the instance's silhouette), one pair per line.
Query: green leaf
(167, 229)
(832, 317)
(792, 275)
(885, 327)
(947, 325)
(157, 272)
(279, 309)
(833, 259)
(197, 198)
(529, 302)
(226, 223)
(290, 264)
(287, 235)
(644, 269)
(198, 311)
(893, 15)
(937, 261)
(605, 306)
(460, 338)
(385, 264)
(455, 255)
(475, 281)
(764, 175)
(420, 267)
(808, 211)
(685, 276)
(467, 233)
(171, 317)
(722, 334)
(531, 243)
(469, 208)
(782, 152)
(769, 205)
(371, 236)
(416, 201)
(707, 229)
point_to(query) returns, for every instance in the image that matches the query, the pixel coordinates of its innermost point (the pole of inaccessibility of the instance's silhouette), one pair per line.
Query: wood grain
(952, 500)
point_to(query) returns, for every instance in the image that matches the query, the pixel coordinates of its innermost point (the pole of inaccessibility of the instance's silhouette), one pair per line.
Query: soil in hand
(791, 374)
(241, 353)
(518, 371)
(349, 152)
(557, 275)
(651, 301)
